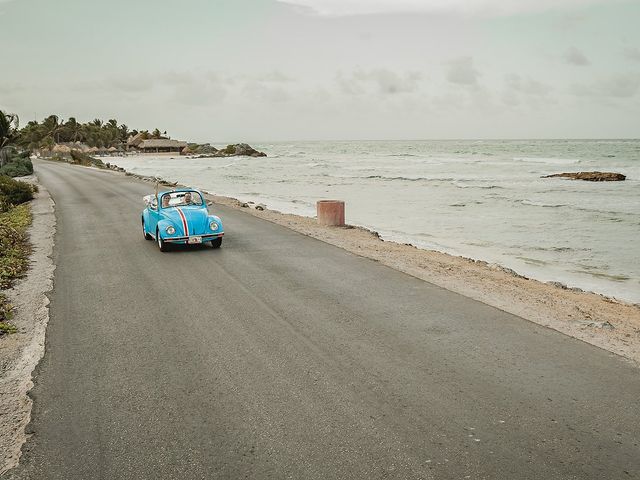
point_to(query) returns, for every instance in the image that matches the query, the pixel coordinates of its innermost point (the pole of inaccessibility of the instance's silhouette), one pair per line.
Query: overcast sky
(261, 70)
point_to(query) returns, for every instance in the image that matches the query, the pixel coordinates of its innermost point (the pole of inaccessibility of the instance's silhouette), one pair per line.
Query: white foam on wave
(550, 161)
(461, 184)
(533, 203)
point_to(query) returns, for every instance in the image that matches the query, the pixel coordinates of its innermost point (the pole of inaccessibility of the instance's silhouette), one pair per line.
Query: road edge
(30, 299)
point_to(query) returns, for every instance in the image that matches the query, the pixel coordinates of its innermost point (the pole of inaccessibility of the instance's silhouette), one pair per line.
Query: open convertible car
(180, 217)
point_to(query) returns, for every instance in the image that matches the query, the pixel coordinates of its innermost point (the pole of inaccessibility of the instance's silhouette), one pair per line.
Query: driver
(187, 198)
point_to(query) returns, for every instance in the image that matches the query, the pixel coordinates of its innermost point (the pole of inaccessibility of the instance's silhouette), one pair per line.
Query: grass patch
(14, 256)
(14, 245)
(6, 328)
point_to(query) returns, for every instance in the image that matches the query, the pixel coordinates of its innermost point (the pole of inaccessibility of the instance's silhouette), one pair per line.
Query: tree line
(54, 130)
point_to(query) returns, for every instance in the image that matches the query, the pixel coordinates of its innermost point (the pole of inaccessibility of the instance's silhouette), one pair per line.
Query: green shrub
(80, 158)
(18, 167)
(13, 192)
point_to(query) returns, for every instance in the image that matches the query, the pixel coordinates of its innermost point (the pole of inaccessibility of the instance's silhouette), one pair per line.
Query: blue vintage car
(180, 217)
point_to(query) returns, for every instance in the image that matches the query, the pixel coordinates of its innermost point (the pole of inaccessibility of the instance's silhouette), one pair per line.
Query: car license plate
(194, 240)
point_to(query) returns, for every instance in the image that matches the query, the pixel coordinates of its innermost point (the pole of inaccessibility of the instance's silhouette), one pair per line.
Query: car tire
(144, 232)
(162, 245)
(216, 242)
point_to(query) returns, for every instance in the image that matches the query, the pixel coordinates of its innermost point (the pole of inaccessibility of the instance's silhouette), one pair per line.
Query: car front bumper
(205, 238)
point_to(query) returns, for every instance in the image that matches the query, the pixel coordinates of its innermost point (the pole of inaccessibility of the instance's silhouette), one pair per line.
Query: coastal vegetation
(14, 255)
(75, 142)
(18, 165)
(97, 133)
(13, 163)
(77, 157)
(15, 213)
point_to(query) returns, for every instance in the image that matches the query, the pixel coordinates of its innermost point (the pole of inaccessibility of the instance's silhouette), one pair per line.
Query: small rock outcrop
(235, 150)
(239, 149)
(590, 176)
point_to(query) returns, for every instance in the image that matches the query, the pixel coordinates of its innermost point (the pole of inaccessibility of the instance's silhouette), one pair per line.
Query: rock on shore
(234, 150)
(240, 149)
(590, 176)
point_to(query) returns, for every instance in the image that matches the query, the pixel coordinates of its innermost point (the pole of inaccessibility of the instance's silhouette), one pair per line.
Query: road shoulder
(21, 352)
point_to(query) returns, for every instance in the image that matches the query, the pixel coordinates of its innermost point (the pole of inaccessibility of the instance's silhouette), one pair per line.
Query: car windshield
(181, 199)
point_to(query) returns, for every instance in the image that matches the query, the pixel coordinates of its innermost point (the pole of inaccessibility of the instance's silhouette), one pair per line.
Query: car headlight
(213, 226)
(171, 230)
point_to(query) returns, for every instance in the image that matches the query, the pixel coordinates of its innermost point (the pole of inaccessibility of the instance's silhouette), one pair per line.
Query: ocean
(480, 199)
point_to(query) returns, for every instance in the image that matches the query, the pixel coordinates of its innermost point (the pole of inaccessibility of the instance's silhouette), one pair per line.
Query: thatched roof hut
(61, 149)
(158, 145)
(136, 140)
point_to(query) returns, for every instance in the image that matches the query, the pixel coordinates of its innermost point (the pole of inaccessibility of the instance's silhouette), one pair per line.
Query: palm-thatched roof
(61, 149)
(162, 143)
(135, 140)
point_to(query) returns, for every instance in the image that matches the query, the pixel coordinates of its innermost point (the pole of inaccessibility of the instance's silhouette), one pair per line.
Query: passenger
(165, 201)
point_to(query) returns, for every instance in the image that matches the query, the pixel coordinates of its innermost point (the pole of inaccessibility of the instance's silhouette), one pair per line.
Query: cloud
(526, 86)
(632, 53)
(10, 88)
(569, 21)
(617, 86)
(482, 7)
(382, 81)
(462, 72)
(573, 56)
(131, 84)
(261, 91)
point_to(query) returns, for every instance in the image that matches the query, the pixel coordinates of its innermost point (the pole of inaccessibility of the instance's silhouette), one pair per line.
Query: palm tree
(73, 129)
(9, 123)
(124, 132)
(52, 126)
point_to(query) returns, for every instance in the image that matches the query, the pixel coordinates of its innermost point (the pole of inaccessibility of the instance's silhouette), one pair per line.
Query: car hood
(197, 220)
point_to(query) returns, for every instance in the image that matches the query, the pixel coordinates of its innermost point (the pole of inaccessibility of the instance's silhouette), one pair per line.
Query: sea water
(480, 199)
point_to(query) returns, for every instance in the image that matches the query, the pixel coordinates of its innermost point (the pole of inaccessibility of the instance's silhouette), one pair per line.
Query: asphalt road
(279, 356)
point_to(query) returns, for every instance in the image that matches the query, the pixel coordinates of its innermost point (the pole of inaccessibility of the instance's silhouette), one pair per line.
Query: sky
(268, 70)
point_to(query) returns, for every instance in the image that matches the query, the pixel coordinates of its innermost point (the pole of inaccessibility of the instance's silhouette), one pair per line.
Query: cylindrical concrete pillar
(330, 212)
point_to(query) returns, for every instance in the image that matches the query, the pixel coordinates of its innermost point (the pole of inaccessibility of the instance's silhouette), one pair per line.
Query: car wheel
(217, 242)
(162, 245)
(144, 232)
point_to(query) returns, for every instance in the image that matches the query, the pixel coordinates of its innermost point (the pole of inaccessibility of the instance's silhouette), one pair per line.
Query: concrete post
(330, 212)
